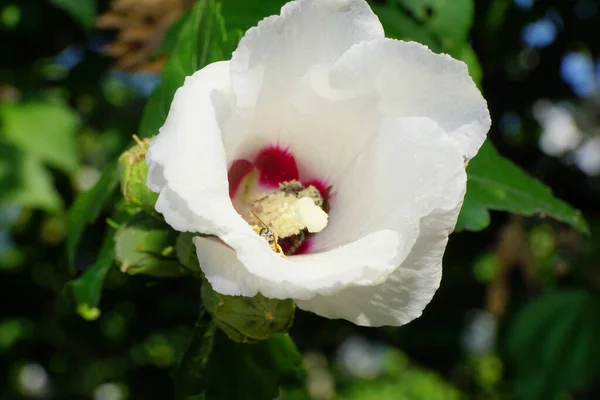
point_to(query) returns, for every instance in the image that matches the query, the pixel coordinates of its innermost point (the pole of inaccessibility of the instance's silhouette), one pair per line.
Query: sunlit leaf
(87, 289)
(413, 384)
(554, 344)
(202, 40)
(88, 205)
(25, 181)
(495, 183)
(82, 11)
(45, 131)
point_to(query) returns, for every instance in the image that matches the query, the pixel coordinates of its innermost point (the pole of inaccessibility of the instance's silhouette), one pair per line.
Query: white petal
(282, 48)
(421, 181)
(223, 270)
(405, 293)
(409, 168)
(254, 267)
(271, 72)
(187, 162)
(409, 80)
(331, 114)
(188, 166)
(324, 140)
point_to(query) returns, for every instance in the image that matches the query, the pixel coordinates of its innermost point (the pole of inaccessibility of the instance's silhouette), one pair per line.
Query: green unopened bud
(133, 171)
(248, 319)
(144, 245)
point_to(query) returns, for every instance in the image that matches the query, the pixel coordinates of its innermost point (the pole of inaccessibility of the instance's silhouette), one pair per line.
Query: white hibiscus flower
(323, 140)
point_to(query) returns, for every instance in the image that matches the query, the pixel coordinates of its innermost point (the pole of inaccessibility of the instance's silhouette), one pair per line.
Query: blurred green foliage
(398, 380)
(554, 343)
(202, 39)
(494, 183)
(65, 117)
(83, 11)
(259, 371)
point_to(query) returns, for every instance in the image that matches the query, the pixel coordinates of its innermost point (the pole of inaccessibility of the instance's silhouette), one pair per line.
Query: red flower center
(274, 165)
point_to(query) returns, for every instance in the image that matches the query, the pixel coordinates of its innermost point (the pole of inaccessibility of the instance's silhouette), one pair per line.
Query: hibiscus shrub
(279, 216)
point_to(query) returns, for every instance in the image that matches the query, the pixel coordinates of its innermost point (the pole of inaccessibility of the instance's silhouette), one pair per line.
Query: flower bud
(248, 319)
(144, 245)
(133, 171)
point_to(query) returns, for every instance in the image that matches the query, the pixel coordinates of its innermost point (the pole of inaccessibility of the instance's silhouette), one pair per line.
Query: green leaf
(442, 25)
(258, 370)
(45, 131)
(554, 344)
(144, 245)
(495, 183)
(88, 205)
(399, 25)
(87, 289)
(240, 15)
(25, 181)
(468, 56)
(186, 251)
(449, 20)
(202, 40)
(189, 377)
(82, 11)
(430, 23)
(172, 36)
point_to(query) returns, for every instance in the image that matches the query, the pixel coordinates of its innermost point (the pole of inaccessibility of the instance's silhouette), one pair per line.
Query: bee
(296, 241)
(269, 235)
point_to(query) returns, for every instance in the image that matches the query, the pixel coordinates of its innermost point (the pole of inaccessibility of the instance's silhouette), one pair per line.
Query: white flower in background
(109, 391)
(587, 157)
(349, 147)
(361, 358)
(479, 336)
(33, 380)
(560, 133)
